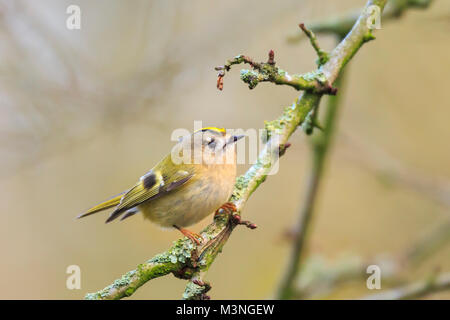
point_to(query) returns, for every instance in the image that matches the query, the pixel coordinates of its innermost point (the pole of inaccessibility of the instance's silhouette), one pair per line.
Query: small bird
(193, 181)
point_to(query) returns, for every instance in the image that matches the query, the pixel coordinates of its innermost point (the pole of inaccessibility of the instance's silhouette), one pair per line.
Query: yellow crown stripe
(219, 130)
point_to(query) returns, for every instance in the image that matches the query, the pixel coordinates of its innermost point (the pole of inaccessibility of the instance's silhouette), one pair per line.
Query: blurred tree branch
(317, 277)
(320, 147)
(434, 284)
(190, 263)
(393, 171)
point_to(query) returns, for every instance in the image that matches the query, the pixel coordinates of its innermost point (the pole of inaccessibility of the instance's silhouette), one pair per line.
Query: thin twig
(323, 56)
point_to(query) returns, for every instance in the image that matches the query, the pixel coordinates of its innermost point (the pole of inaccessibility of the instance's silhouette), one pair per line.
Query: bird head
(211, 145)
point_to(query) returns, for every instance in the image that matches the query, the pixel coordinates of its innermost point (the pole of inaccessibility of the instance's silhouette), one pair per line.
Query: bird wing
(151, 185)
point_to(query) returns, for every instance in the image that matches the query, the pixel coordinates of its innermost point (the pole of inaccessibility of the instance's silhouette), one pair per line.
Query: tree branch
(185, 262)
(340, 26)
(268, 72)
(323, 56)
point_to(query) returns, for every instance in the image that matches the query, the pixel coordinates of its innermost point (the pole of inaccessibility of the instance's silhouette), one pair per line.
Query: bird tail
(112, 202)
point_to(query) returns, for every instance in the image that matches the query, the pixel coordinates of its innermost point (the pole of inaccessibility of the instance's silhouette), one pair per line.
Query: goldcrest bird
(193, 181)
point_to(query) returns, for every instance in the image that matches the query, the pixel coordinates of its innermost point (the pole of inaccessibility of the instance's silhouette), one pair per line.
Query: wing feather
(150, 186)
(112, 202)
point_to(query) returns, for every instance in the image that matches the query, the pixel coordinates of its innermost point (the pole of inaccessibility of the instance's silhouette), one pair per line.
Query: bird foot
(227, 207)
(194, 237)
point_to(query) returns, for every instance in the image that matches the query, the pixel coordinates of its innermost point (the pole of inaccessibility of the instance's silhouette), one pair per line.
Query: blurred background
(84, 113)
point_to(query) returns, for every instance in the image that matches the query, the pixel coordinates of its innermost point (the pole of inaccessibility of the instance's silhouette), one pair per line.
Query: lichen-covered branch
(196, 288)
(268, 72)
(173, 260)
(184, 261)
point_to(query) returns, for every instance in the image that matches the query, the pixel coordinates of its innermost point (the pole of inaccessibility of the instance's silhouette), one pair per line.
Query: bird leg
(194, 237)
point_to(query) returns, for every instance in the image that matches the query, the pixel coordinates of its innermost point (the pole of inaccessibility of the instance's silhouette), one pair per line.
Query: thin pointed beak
(232, 140)
(236, 138)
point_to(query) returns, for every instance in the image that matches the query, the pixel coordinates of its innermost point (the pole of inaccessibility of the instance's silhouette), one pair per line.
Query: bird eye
(211, 142)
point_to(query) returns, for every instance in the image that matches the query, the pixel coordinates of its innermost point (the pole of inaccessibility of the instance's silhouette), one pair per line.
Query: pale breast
(193, 201)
